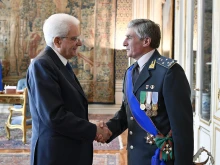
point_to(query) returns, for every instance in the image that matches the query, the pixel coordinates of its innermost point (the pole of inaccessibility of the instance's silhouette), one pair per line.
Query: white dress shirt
(144, 59)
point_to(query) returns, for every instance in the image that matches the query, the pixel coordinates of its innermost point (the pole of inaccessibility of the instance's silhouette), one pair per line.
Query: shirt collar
(63, 60)
(144, 59)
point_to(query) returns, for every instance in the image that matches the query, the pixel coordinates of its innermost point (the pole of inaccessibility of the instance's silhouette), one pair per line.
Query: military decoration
(154, 103)
(154, 113)
(152, 65)
(142, 100)
(152, 87)
(167, 149)
(150, 139)
(154, 107)
(148, 113)
(142, 107)
(148, 104)
(165, 145)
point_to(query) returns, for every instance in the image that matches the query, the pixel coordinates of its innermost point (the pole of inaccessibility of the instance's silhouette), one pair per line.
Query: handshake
(103, 133)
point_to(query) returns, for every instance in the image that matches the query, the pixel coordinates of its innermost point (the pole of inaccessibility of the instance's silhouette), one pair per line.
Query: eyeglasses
(74, 39)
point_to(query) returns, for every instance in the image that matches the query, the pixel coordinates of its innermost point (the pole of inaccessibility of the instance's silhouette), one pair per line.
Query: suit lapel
(73, 80)
(145, 73)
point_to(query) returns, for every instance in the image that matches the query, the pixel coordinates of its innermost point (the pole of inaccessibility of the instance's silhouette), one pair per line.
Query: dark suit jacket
(174, 112)
(61, 133)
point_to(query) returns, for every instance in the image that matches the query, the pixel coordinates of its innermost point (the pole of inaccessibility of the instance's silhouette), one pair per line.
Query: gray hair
(146, 28)
(58, 25)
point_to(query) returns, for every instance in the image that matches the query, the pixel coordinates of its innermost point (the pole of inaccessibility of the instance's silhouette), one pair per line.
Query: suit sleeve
(118, 124)
(176, 93)
(45, 90)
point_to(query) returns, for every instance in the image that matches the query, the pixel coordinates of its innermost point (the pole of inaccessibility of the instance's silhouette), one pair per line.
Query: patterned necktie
(70, 70)
(135, 73)
(68, 66)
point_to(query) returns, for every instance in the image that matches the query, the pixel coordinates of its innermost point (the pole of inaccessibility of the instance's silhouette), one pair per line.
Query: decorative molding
(219, 94)
(215, 143)
(204, 139)
(205, 121)
(177, 4)
(218, 100)
(217, 115)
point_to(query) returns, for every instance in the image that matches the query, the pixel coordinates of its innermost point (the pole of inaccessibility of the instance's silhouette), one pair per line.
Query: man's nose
(79, 42)
(125, 43)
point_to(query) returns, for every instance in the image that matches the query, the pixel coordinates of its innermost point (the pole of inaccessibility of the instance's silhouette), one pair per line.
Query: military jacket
(165, 77)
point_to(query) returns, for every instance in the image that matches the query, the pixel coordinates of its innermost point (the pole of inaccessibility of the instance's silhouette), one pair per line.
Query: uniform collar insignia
(152, 65)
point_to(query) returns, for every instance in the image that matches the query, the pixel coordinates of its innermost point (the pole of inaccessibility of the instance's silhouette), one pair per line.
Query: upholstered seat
(19, 118)
(21, 84)
(20, 87)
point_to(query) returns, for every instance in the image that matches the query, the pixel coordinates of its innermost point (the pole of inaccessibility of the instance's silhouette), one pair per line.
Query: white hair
(58, 25)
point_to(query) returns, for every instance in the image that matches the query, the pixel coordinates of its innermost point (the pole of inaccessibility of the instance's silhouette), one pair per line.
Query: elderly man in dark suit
(62, 134)
(156, 107)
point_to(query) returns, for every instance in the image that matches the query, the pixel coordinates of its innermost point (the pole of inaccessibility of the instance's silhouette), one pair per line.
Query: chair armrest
(15, 109)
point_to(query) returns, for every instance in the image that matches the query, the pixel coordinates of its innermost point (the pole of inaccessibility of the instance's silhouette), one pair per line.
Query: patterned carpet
(16, 135)
(24, 159)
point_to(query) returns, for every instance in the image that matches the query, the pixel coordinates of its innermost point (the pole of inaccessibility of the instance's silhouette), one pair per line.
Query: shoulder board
(166, 62)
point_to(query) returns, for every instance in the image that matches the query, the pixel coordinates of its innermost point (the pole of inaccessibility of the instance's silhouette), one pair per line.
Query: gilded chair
(19, 89)
(19, 118)
(21, 84)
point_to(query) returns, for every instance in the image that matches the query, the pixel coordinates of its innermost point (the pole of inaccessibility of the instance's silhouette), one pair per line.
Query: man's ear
(146, 41)
(57, 42)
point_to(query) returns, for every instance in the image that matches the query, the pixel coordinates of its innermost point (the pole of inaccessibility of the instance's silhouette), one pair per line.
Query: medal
(149, 113)
(154, 101)
(154, 113)
(142, 107)
(150, 139)
(154, 107)
(148, 106)
(142, 99)
(152, 87)
(167, 149)
(148, 100)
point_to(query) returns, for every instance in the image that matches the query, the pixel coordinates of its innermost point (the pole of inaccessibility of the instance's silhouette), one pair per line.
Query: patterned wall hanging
(21, 39)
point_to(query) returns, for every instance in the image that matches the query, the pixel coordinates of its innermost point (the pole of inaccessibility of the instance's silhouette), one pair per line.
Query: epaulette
(166, 62)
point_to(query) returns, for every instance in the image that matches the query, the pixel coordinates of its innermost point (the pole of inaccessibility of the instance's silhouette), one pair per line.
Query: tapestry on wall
(21, 39)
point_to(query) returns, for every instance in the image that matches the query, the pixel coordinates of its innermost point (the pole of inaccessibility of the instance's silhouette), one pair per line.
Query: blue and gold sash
(142, 119)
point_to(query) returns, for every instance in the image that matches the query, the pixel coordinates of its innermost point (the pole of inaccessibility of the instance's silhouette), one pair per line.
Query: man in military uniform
(156, 108)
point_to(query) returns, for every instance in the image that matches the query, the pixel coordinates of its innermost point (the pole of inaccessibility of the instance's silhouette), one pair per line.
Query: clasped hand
(103, 133)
